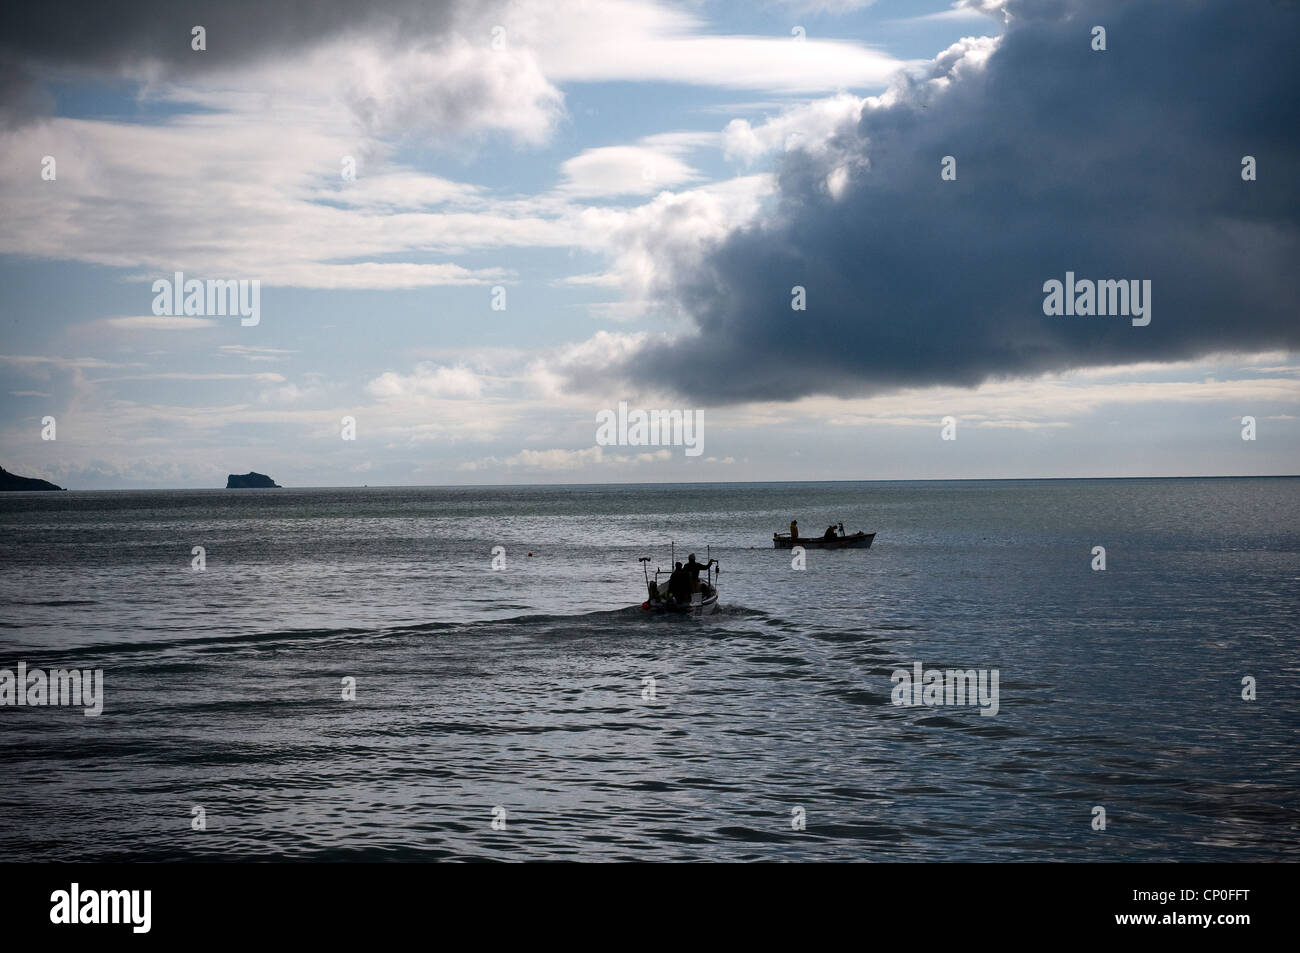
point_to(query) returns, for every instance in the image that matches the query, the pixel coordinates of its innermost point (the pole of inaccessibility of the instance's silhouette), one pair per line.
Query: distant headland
(250, 481)
(11, 481)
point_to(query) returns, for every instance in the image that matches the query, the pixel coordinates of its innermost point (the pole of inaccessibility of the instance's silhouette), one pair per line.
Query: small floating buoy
(530, 554)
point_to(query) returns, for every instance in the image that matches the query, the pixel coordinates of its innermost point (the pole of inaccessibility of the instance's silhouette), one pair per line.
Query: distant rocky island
(11, 481)
(250, 481)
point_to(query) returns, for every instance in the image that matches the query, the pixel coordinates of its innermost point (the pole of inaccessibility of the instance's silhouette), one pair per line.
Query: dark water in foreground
(523, 688)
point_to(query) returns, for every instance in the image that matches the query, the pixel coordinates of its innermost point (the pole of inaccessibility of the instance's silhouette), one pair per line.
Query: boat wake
(602, 621)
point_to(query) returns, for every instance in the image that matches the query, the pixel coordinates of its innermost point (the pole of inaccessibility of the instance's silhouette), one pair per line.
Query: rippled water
(523, 688)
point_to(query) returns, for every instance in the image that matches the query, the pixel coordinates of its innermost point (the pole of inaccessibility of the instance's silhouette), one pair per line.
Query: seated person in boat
(830, 532)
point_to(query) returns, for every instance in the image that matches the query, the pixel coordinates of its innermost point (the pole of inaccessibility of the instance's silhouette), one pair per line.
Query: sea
(466, 673)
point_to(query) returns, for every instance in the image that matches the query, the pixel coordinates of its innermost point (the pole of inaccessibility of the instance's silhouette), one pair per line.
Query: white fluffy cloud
(428, 380)
(624, 170)
(806, 127)
(646, 244)
(588, 41)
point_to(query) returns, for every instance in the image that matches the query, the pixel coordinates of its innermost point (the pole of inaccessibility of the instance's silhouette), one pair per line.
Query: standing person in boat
(679, 585)
(794, 530)
(841, 529)
(694, 569)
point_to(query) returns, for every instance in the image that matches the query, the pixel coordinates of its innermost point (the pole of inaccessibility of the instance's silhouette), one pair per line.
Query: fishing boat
(858, 540)
(704, 602)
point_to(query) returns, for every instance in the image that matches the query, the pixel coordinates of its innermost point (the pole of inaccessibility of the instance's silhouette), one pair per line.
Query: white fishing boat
(703, 601)
(858, 540)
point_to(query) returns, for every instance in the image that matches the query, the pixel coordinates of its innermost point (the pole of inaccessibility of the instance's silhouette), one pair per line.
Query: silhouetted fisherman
(694, 569)
(679, 584)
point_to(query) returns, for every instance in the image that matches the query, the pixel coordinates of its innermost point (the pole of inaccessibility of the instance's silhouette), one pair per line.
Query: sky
(824, 231)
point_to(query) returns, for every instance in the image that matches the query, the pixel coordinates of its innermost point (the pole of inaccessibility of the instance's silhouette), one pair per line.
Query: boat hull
(852, 541)
(706, 606)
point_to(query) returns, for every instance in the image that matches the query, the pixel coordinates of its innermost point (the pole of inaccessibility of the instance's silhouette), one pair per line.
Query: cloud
(205, 188)
(214, 196)
(399, 60)
(415, 437)
(378, 275)
(150, 322)
(255, 352)
(637, 40)
(436, 70)
(830, 7)
(394, 190)
(188, 376)
(38, 362)
(560, 459)
(648, 244)
(966, 10)
(651, 165)
(624, 170)
(1052, 401)
(1116, 164)
(97, 36)
(428, 380)
(288, 393)
(454, 87)
(809, 127)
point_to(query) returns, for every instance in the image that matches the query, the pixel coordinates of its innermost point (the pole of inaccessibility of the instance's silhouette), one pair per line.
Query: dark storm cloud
(105, 37)
(1117, 164)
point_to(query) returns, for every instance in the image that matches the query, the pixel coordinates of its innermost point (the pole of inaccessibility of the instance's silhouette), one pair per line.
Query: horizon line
(462, 486)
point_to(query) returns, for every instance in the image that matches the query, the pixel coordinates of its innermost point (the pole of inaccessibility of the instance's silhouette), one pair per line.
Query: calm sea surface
(524, 689)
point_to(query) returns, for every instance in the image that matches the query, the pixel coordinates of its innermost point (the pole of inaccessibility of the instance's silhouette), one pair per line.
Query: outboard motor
(651, 586)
